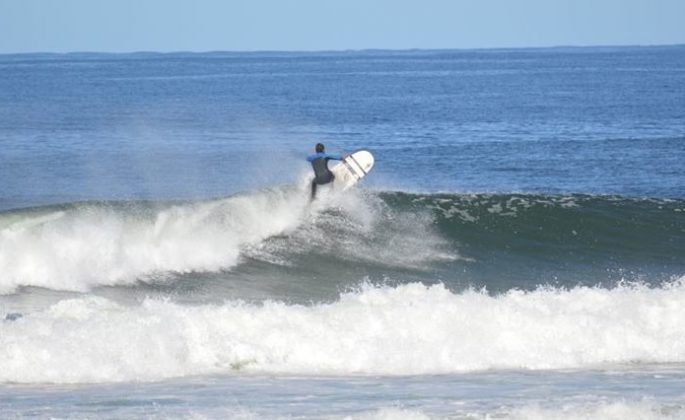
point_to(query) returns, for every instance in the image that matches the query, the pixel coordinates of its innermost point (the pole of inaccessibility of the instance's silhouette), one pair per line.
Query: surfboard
(352, 168)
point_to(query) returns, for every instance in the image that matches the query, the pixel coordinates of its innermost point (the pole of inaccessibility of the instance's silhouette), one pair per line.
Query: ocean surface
(517, 252)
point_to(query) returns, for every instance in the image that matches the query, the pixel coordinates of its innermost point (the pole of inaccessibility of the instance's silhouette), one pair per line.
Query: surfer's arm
(331, 156)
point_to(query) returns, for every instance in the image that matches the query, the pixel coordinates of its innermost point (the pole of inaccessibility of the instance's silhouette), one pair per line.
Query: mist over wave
(403, 330)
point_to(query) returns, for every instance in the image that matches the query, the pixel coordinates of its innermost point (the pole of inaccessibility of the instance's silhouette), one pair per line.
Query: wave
(80, 246)
(380, 330)
(77, 246)
(609, 227)
(498, 241)
(524, 240)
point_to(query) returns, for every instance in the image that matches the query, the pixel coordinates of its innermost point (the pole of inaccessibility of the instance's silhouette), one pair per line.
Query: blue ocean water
(516, 252)
(598, 121)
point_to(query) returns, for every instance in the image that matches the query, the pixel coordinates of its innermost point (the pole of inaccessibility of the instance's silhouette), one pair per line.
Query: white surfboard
(352, 168)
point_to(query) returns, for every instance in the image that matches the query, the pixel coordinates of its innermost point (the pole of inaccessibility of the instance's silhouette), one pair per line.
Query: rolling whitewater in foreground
(517, 251)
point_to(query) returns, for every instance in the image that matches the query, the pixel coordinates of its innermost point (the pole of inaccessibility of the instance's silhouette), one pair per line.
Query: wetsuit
(322, 175)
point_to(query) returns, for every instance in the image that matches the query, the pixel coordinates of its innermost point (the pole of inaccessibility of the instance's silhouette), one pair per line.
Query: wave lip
(405, 330)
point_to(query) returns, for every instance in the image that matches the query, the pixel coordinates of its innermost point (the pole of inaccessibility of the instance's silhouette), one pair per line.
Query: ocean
(517, 252)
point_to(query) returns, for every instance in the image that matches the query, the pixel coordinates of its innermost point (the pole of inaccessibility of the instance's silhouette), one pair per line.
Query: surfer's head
(320, 148)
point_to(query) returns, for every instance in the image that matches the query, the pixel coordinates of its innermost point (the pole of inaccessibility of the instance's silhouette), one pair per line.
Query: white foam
(92, 245)
(410, 329)
(358, 226)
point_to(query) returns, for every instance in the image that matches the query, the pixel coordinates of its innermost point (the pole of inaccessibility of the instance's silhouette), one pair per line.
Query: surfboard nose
(352, 169)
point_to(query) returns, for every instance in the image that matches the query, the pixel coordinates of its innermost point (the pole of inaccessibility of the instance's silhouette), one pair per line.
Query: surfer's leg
(313, 189)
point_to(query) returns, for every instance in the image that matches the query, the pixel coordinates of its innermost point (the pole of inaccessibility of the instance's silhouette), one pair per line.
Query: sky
(314, 25)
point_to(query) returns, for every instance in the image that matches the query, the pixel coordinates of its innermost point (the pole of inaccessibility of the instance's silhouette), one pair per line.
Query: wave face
(275, 238)
(524, 240)
(403, 330)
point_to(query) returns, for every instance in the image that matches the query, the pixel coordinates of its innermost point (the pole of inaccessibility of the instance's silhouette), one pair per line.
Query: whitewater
(86, 245)
(411, 329)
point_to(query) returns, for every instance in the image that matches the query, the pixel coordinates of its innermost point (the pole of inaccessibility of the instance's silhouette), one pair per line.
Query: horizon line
(349, 50)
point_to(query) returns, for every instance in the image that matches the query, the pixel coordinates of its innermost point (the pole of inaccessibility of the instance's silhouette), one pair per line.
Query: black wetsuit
(322, 175)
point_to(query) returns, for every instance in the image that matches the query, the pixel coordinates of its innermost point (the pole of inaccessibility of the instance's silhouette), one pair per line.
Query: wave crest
(79, 246)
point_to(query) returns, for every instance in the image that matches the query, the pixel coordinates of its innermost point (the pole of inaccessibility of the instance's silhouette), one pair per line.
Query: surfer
(319, 161)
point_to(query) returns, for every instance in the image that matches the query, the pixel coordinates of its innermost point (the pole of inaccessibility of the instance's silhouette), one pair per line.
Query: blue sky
(253, 25)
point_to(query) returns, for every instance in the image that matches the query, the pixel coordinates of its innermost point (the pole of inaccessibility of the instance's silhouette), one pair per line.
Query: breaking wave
(403, 330)
(498, 241)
